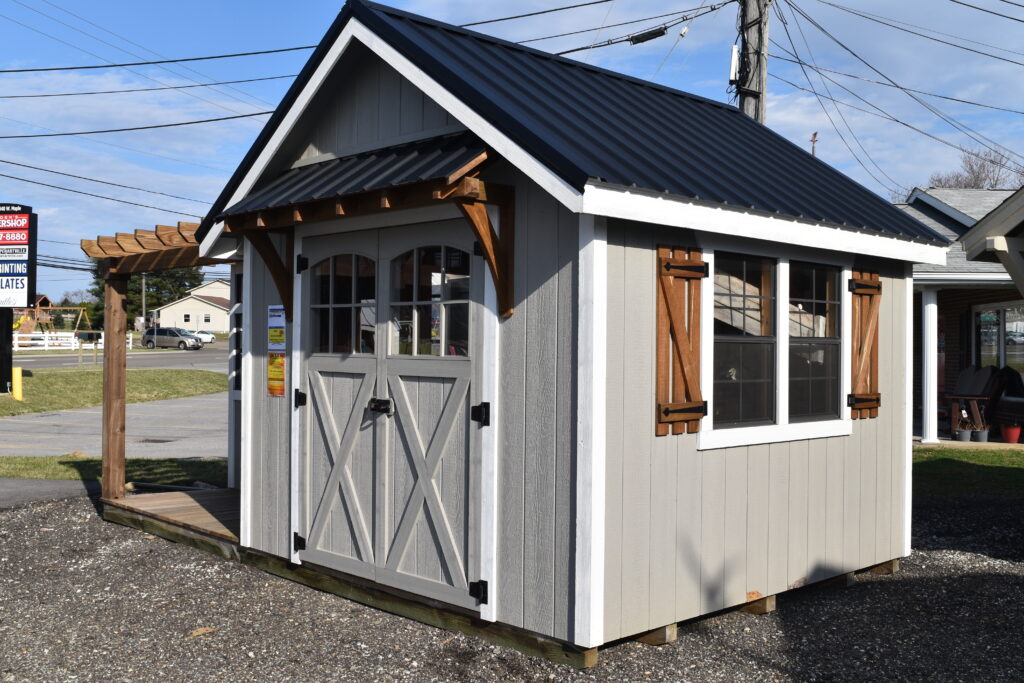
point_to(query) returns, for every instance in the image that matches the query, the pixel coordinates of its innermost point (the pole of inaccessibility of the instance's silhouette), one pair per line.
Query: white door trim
(248, 329)
(490, 338)
(295, 358)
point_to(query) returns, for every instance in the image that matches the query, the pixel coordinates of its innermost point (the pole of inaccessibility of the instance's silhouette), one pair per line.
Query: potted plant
(979, 432)
(963, 430)
(1011, 432)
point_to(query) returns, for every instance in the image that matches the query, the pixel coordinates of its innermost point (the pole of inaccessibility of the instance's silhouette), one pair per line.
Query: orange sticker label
(275, 374)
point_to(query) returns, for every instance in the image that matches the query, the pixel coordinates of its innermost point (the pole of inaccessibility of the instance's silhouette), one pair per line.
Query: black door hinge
(380, 405)
(478, 590)
(298, 541)
(301, 263)
(300, 398)
(481, 413)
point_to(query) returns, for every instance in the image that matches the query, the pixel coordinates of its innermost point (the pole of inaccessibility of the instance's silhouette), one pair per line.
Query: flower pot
(963, 435)
(979, 435)
(1011, 433)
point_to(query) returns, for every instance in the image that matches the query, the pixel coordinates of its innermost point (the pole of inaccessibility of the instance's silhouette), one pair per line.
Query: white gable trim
(501, 143)
(650, 207)
(1000, 222)
(936, 203)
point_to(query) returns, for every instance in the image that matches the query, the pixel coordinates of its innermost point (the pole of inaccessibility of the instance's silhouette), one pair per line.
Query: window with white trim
(187, 318)
(206, 317)
(814, 342)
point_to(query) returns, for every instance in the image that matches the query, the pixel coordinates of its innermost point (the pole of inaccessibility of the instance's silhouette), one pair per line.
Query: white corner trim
(501, 143)
(295, 473)
(680, 212)
(908, 409)
(490, 373)
(245, 434)
(591, 374)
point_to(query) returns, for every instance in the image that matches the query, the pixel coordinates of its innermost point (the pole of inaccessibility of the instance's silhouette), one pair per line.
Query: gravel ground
(81, 599)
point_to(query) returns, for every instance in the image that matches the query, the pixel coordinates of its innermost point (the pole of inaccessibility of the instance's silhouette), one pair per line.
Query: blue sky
(195, 161)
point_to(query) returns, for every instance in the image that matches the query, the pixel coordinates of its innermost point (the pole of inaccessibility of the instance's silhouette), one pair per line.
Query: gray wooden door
(391, 494)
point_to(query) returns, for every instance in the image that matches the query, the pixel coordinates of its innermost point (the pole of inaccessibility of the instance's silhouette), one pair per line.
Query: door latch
(381, 405)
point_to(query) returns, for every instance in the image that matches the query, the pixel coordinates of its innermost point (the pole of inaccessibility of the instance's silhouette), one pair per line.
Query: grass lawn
(162, 471)
(60, 389)
(951, 471)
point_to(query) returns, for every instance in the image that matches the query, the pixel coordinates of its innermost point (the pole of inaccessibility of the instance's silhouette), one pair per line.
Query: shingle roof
(218, 301)
(423, 160)
(956, 257)
(975, 203)
(587, 123)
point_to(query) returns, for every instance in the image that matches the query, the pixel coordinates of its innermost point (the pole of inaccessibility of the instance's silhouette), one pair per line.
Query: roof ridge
(542, 54)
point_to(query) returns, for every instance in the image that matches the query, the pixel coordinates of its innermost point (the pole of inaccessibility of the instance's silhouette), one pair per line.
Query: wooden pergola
(119, 257)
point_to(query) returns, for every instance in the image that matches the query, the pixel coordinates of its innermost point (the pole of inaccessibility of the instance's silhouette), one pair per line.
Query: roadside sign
(17, 256)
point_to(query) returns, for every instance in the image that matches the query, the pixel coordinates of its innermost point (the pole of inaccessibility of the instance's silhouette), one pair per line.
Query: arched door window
(343, 302)
(430, 302)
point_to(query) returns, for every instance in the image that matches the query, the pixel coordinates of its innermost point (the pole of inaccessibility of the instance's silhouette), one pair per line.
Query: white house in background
(204, 308)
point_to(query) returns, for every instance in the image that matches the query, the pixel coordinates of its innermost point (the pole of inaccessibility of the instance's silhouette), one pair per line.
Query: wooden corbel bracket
(280, 273)
(472, 196)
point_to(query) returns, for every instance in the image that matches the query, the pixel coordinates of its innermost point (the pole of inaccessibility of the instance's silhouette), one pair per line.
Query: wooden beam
(660, 636)
(128, 243)
(886, 568)
(110, 246)
(763, 605)
(149, 240)
(496, 250)
(166, 259)
(280, 274)
(467, 168)
(92, 249)
(115, 327)
(170, 236)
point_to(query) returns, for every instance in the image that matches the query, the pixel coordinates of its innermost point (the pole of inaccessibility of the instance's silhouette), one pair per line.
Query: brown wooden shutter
(678, 396)
(867, 298)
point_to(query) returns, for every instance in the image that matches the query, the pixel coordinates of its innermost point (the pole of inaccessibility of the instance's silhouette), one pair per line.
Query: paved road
(194, 427)
(214, 357)
(15, 492)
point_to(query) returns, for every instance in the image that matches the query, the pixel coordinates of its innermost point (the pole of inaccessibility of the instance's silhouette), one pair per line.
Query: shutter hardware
(854, 285)
(481, 413)
(701, 270)
(702, 409)
(854, 400)
(478, 590)
(300, 398)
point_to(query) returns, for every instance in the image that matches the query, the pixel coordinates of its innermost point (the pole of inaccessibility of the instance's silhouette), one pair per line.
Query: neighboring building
(206, 307)
(975, 314)
(565, 350)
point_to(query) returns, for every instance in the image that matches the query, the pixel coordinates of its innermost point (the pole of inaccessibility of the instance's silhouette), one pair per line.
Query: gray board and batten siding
(691, 532)
(363, 105)
(537, 418)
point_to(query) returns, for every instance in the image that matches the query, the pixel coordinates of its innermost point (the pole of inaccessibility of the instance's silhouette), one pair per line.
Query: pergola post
(930, 366)
(115, 360)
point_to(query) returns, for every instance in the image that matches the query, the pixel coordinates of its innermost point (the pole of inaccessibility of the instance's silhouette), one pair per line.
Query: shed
(569, 355)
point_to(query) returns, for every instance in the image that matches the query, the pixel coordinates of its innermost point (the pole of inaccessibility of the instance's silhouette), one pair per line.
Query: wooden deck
(214, 512)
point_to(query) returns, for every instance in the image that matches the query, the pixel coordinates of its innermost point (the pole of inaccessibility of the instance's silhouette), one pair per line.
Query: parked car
(1015, 337)
(206, 336)
(169, 337)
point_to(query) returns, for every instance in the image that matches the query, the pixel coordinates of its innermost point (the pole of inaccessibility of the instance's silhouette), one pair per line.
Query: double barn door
(389, 482)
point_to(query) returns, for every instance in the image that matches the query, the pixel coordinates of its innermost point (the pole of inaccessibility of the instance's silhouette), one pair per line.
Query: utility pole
(753, 73)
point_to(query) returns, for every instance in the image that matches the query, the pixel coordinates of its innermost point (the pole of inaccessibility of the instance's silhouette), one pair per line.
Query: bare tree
(982, 169)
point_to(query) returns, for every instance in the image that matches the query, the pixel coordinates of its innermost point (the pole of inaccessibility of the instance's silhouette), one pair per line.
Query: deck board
(214, 512)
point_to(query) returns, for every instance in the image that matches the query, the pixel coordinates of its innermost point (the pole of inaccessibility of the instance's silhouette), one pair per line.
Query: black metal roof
(586, 123)
(408, 163)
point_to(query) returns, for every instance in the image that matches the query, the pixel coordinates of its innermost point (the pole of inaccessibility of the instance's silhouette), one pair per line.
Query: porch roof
(435, 158)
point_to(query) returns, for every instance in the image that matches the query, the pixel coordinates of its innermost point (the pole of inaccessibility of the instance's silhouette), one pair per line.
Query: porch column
(929, 365)
(115, 358)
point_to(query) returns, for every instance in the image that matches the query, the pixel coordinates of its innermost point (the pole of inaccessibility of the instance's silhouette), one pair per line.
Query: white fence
(56, 341)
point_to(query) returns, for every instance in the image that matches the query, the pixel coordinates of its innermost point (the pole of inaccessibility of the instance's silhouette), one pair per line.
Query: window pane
(813, 301)
(429, 284)
(342, 330)
(813, 381)
(987, 338)
(320, 334)
(744, 382)
(321, 286)
(343, 279)
(1014, 333)
(402, 277)
(456, 278)
(366, 280)
(744, 295)
(457, 329)
(367, 320)
(401, 330)
(428, 319)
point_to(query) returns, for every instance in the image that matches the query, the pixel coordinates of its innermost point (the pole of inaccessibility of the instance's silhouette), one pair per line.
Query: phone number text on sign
(13, 236)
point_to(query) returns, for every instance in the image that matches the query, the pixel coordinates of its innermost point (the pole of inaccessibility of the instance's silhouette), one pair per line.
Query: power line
(920, 35)
(890, 85)
(121, 130)
(132, 90)
(159, 61)
(99, 196)
(103, 182)
(124, 147)
(534, 14)
(633, 37)
(152, 52)
(621, 23)
(1010, 2)
(982, 9)
(75, 244)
